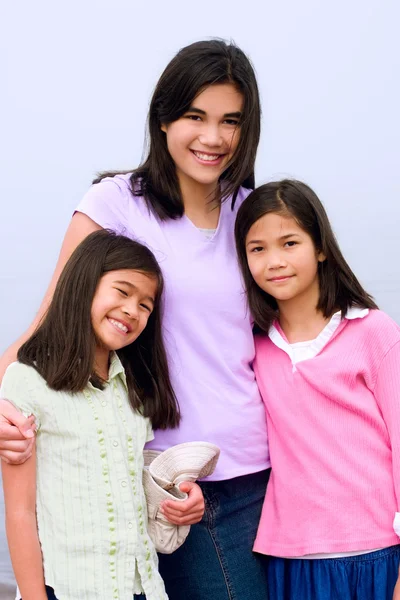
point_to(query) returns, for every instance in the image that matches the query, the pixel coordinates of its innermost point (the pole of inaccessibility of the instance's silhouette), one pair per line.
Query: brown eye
(146, 307)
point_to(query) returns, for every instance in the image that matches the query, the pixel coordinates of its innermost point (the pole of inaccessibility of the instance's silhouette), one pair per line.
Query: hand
(189, 511)
(17, 434)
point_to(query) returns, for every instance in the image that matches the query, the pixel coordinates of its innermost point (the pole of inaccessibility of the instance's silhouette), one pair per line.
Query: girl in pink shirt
(327, 365)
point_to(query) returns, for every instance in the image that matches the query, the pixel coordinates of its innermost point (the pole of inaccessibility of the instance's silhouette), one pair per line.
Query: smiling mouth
(207, 157)
(119, 326)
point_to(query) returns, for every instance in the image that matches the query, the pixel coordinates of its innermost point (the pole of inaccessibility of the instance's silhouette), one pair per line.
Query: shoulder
(22, 385)
(17, 372)
(373, 335)
(112, 204)
(110, 189)
(377, 325)
(240, 198)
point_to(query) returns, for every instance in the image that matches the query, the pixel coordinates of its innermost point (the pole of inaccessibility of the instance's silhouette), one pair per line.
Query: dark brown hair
(193, 69)
(62, 347)
(339, 288)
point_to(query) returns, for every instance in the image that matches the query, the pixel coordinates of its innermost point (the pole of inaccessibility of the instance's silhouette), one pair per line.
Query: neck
(102, 362)
(200, 204)
(299, 318)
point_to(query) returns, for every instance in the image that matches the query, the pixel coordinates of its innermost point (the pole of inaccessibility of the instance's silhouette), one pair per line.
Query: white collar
(323, 338)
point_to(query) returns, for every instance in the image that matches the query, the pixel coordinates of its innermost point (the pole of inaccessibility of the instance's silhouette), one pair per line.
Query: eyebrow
(288, 235)
(235, 115)
(134, 288)
(282, 237)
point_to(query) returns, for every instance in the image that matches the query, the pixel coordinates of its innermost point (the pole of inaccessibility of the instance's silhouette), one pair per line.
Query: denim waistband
(236, 483)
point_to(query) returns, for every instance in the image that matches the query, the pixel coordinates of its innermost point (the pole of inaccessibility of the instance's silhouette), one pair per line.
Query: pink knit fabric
(334, 435)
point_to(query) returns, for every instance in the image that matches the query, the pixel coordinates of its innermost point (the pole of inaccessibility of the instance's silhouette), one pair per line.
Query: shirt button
(130, 525)
(115, 443)
(104, 403)
(123, 483)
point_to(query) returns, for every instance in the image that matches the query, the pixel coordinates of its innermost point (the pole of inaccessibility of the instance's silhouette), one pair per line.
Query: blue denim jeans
(216, 562)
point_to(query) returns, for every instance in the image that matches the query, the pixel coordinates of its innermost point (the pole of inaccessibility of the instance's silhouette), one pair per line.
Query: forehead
(274, 225)
(142, 281)
(224, 98)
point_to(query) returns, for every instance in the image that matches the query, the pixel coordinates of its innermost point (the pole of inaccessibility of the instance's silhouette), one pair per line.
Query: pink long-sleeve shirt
(334, 435)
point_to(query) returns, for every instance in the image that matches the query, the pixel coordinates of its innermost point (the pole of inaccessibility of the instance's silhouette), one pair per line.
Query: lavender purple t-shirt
(207, 326)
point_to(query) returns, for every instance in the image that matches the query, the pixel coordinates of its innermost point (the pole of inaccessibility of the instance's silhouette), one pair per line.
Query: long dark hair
(63, 346)
(194, 68)
(339, 289)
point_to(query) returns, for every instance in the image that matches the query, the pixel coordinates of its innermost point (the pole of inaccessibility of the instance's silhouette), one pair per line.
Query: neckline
(199, 231)
(316, 345)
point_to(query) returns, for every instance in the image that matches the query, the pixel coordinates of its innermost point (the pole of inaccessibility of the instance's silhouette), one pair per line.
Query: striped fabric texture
(91, 508)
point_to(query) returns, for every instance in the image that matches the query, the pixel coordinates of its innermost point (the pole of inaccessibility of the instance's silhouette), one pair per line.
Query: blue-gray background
(76, 79)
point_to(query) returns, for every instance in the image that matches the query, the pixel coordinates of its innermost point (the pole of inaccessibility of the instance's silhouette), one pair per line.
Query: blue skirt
(364, 577)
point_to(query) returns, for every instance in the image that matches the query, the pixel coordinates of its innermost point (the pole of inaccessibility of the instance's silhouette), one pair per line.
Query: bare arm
(19, 484)
(15, 430)
(396, 593)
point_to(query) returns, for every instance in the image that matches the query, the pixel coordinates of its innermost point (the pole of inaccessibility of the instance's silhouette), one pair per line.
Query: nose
(210, 135)
(275, 260)
(131, 310)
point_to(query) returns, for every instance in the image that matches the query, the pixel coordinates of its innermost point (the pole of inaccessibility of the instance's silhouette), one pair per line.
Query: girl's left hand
(189, 511)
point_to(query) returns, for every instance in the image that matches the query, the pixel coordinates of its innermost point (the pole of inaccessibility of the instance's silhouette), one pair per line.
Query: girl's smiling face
(282, 258)
(121, 307)
(203, 141)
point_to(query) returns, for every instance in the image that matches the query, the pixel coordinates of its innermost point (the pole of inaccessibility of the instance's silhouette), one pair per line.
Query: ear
(321, 257)
(163, 127)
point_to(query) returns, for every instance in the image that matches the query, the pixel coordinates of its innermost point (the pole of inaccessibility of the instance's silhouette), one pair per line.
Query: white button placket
(138, 524)
(109, 498)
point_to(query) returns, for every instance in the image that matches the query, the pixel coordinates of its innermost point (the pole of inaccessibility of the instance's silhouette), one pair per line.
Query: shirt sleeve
(107, 204)
(19, 386)
(387, 394)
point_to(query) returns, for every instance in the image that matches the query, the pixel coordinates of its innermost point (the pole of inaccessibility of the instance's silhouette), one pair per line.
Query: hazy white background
(76, 80)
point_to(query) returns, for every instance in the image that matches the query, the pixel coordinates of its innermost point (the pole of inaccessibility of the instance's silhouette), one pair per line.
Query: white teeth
(208, 157)
(119, 325)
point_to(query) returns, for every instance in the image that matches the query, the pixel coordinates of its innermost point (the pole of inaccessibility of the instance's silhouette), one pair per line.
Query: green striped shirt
(91, 508)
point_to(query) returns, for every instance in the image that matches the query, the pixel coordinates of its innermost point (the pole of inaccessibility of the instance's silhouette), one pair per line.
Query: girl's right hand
(17, 434)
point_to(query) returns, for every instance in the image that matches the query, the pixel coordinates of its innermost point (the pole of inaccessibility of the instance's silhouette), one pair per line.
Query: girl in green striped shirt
(95, 377)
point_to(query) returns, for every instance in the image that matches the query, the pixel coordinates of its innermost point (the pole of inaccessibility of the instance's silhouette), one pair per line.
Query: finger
(11, 414)
(186, 505)
(186, 520)
(188, 486)
(16, 458)
(16, 445)
(9, 432)
(171, 512)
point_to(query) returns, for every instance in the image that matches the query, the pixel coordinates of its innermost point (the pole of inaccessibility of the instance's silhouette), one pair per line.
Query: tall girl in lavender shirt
(204, 126)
